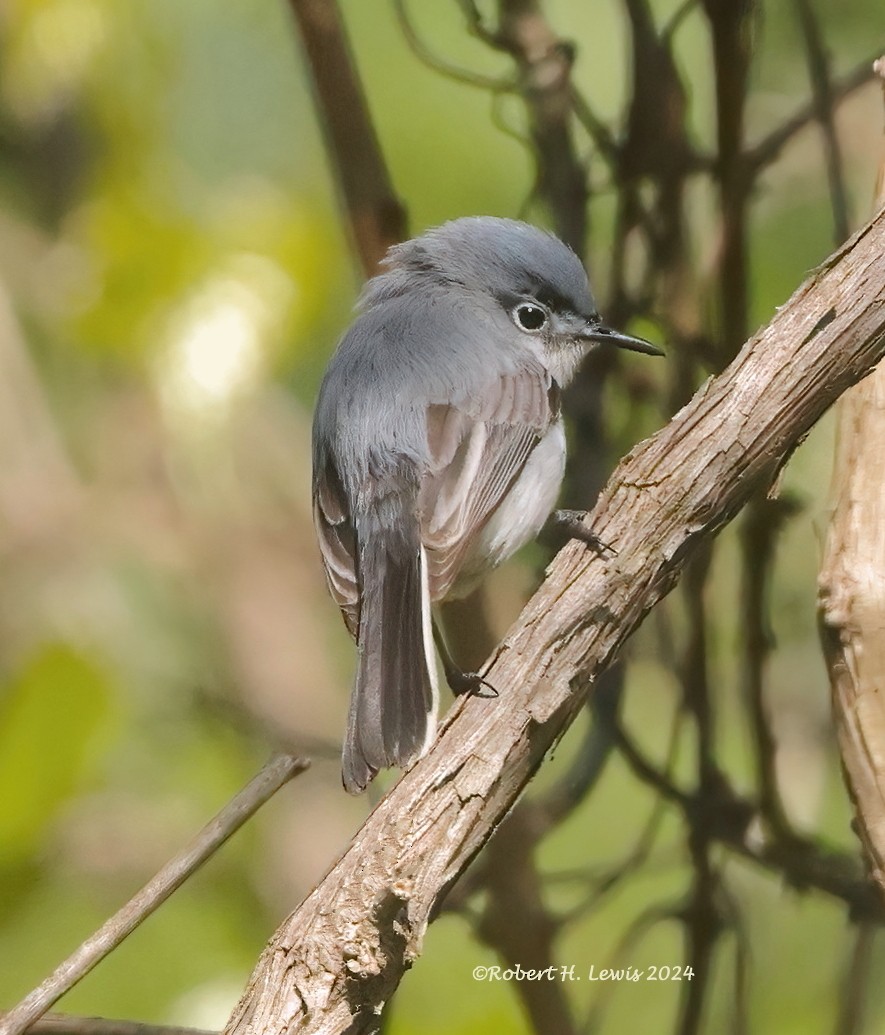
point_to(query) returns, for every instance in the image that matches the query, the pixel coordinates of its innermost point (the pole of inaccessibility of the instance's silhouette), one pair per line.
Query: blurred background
(175, 271)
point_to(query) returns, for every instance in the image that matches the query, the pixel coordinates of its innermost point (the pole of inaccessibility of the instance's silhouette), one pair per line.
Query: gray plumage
(438, 450)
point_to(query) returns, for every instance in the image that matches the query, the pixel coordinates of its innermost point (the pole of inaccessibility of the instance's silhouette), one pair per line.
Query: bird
(439, 450)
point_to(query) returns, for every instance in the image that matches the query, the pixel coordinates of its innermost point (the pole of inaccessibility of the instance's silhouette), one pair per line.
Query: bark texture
(852, 597)
(337, 959)
(852, 607)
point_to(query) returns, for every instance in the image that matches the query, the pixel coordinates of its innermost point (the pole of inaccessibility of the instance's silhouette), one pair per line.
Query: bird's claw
(572, 523)
(470, 683)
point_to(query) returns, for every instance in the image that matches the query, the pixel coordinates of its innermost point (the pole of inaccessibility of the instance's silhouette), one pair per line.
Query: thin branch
(445, 68)
(856, 983)
(340, 956)
(703, 926)
(278, 771)
(67, 1024)
(377, 217)
(632, 937)
(517, 924)
(475, 24)
(730, 26)
(595, 128)
(694, 666)
(678, 17)
(822, 97)
(641, 851)
(576, 783)
(760, 528)
(742, 955)
(733, 821)
(660, 780)
(656, 143)
(544, 65)
(768, 149)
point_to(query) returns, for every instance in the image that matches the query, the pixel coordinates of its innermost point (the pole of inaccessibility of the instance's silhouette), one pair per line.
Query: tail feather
(393, 704)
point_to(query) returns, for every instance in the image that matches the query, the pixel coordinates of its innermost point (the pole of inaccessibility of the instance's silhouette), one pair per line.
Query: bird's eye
(530, 317)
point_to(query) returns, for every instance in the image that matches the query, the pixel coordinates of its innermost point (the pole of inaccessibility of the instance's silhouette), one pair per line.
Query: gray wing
(478, 446)
(337, 540)
(375, 560)
(374, 566)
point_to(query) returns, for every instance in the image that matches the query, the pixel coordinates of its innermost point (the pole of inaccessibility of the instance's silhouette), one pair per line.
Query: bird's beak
(602, 335)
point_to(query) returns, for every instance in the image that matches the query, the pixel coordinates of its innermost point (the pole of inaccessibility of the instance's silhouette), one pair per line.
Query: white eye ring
(530, 317)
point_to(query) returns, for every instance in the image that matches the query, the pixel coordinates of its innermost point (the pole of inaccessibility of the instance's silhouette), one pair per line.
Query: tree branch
(544, 66)
(856, 983)
(825, 113)
(730, 27)
(516, 922)
(377, 217)
(338, 958)
(851, 595)
(739, 823)
(763, 521)
(768, 149)
(67, 1024)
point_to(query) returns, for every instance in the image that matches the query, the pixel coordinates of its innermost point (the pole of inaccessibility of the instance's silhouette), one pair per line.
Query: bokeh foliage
(173, 276)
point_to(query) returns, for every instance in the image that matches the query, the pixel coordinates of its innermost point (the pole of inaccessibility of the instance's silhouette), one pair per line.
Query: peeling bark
(852, 597)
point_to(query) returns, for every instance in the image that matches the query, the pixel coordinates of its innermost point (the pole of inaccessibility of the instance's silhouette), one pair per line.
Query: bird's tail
(392, 714)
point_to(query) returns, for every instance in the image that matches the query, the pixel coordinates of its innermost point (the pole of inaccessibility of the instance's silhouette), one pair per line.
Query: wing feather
(337, 541)
(478, 446)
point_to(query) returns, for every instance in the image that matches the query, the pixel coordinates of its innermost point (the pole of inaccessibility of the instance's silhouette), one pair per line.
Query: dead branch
(67, 1024)
(278, 771)
(338, 958)
(851, 594)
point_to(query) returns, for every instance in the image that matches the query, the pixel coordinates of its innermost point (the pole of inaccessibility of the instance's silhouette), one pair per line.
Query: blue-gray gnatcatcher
(438, 450)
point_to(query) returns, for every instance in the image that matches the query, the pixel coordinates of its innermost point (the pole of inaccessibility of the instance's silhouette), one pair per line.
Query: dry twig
(278, 771)
(67, 1024)
(851, 594)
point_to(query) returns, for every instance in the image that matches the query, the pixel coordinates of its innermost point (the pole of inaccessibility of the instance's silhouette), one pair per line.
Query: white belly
(522, 513)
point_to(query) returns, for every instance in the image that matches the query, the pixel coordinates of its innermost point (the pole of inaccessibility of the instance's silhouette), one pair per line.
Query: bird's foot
(571, 522)
(470, 683)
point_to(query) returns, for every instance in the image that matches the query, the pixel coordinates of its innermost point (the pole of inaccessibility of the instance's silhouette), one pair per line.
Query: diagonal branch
(334, 962)
(768, 149)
